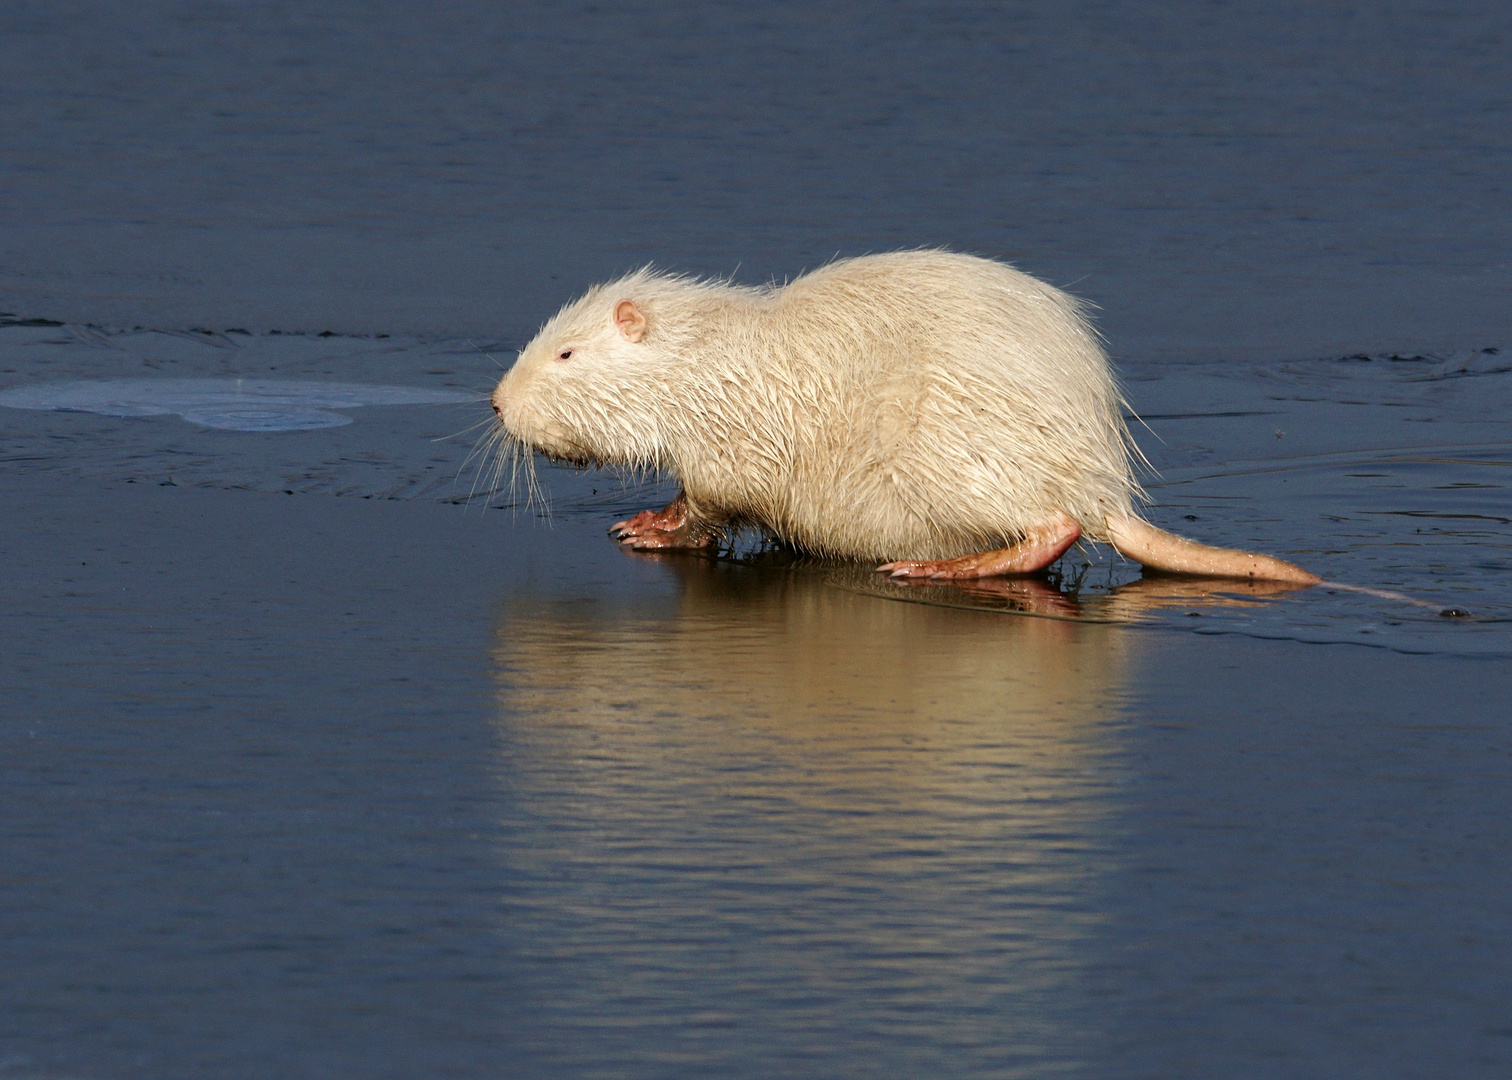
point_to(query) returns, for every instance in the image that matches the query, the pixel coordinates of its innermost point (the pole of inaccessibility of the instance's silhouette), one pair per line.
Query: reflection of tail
(1159, 550)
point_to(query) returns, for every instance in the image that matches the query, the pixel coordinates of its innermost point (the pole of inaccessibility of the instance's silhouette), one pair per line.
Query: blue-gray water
(312, 766)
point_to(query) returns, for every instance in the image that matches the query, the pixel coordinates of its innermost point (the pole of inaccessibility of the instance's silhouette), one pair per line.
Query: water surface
(440, 792)
(325, 753)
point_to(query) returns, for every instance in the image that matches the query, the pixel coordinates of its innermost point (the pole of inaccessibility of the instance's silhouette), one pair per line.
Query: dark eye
(565, 354)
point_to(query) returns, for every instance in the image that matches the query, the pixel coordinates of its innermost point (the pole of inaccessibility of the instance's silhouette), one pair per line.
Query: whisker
(469, 428)
(482, 452)
(490, 355)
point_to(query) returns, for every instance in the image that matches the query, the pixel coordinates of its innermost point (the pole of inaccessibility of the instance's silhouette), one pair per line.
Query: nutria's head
(585, 389)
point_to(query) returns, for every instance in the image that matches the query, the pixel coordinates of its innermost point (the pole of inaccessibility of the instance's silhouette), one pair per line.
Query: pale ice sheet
(228, 404)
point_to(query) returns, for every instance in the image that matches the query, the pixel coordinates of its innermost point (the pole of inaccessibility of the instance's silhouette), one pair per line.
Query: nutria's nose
(497, 411)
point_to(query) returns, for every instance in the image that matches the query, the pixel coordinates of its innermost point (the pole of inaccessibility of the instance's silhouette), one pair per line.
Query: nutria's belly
(886, 526)
(888, 513)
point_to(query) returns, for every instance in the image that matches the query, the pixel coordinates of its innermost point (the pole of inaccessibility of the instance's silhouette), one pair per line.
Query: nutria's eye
(565, 354)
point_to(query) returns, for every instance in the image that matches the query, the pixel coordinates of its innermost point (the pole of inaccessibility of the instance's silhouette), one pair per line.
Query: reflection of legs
(1035, 552)
(656, 530)
(1033, 595)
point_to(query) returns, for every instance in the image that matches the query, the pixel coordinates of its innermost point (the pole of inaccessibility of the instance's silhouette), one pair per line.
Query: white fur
(915, 405)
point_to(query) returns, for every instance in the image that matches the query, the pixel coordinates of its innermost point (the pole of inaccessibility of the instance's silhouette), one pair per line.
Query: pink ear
(631, 323)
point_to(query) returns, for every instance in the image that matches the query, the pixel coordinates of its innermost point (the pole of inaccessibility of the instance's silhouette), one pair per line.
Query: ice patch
(228, 404)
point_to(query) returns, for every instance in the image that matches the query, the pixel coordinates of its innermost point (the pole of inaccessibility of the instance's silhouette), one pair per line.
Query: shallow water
(758, 821)
(326, 752)
(304, 785)
(1285, 180)
(1384, 473)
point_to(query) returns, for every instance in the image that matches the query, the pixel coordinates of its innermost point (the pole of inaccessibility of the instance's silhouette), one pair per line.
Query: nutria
(942, 412)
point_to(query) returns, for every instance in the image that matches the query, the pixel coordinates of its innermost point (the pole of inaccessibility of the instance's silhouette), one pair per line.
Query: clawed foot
(1032, 554)
(661, 530)
(645, 521)
(965, 568)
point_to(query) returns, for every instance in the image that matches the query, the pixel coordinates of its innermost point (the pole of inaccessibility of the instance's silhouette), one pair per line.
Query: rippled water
(1384, 474)
(451, 788)
(763, 819)
(431, 791)
(324, 752)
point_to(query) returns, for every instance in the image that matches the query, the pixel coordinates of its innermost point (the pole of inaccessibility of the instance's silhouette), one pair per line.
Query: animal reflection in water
(785, 645)
(806, 652)
(1130, 602)
(758, 789)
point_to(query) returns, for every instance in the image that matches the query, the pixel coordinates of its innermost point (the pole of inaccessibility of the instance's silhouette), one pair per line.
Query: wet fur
(915, 405)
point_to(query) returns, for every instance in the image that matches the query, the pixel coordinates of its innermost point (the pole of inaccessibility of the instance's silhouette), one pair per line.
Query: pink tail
(1159, 550)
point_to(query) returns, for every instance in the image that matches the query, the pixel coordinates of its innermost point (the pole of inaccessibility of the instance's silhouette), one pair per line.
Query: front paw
(633, 527)
(679, 539)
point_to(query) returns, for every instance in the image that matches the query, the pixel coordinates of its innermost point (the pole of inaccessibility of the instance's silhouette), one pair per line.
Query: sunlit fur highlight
(914, 405)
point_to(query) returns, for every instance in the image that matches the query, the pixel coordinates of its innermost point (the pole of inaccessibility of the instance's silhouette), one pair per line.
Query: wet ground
(325, 752)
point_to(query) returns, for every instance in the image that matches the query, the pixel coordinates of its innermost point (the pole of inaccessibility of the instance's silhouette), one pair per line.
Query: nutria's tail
(1160, 550)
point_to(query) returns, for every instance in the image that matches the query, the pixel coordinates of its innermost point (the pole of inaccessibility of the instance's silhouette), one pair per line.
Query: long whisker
(467, 430)
(489, 452)
(486, 353)
(484, 443)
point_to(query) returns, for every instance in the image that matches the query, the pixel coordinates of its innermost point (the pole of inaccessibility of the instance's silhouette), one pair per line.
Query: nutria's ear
(631, 323)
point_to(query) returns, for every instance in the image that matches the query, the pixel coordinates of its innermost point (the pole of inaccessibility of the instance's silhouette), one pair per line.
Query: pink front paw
(633, 527)
(670, 518)
(669, 539)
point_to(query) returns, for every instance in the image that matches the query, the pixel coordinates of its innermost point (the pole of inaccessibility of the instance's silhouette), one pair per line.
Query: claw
(668, 540)
(674, 516)
(636, 525)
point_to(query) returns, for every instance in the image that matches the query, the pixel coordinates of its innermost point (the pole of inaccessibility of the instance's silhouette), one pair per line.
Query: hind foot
(661, 530)
(1035, 552)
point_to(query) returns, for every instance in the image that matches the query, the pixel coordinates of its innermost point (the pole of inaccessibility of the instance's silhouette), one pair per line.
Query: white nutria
(944, 412)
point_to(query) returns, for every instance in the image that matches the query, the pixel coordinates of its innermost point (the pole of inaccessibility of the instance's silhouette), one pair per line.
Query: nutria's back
(932, 403)
(909, 405)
